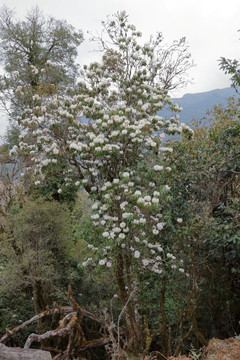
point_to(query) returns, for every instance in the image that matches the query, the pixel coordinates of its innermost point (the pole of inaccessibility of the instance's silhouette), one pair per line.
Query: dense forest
(119, 228)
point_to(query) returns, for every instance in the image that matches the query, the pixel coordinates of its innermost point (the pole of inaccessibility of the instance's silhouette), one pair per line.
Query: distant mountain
(195, 105)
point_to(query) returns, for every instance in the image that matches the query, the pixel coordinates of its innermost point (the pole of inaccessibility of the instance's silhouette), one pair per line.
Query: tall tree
(121, 97)
(26, 47)
(38, 55)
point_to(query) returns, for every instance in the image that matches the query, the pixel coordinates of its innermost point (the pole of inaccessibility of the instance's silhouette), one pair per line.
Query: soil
(228, 349)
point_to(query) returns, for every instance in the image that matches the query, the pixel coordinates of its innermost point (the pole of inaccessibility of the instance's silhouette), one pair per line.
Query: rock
(228, 349)
(14, 353)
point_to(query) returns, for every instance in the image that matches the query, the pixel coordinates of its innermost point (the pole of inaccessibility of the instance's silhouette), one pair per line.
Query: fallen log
(8, 353)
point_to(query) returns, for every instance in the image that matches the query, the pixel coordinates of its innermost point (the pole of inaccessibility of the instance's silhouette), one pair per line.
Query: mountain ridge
(195, 105)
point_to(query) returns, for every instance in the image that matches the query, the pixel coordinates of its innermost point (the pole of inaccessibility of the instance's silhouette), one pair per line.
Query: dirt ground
(228, 349)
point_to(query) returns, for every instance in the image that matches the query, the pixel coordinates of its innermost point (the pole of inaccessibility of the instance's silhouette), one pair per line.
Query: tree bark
(134, 331)
(163, 318)
(197, 332)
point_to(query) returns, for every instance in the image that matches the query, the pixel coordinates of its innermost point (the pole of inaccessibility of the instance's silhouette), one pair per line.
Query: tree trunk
(40, 305)
(134, 331)
(38, 297)
(197, 332)
(163, 318)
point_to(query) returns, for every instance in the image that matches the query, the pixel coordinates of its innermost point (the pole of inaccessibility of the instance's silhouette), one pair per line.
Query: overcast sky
(210, 26)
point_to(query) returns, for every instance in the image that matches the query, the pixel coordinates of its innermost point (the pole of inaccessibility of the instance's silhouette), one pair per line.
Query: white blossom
(158, 168)
(102, 262)
(160, 225)
(136, 254)
(145, 262)
(105, 234)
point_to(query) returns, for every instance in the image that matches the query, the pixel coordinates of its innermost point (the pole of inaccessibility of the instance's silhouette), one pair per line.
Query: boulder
(14, 353)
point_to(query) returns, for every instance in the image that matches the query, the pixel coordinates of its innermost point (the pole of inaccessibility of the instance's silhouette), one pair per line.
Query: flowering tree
(116, 154)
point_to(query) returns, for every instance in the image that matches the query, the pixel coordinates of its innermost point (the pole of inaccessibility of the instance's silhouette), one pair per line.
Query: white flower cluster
(34, 70)
(105, 129)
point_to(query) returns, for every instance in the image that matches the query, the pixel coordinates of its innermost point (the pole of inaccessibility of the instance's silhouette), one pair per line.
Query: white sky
(210, 26)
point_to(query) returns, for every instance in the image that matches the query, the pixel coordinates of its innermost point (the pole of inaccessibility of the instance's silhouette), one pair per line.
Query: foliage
(231, 67)
(26, 46)
(36, 252)
(54, 180)
(206, 186)
(12, 189)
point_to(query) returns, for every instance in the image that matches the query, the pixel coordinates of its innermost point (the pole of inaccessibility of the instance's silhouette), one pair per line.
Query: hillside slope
(195, 105)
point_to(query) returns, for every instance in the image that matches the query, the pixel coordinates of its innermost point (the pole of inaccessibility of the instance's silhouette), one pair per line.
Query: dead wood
(89, 345)
(48, 312)
(69, 326)
(64, 328)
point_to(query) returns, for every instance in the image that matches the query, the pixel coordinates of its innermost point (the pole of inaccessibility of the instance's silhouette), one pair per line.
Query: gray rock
(14, 353)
